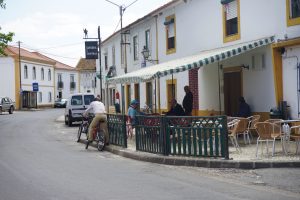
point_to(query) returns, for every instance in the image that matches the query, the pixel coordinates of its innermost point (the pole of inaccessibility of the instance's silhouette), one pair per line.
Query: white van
(76, 105)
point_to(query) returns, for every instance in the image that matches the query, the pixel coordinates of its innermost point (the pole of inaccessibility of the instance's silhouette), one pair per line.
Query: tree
(4, 38)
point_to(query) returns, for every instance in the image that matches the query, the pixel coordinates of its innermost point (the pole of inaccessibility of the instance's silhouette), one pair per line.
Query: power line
(117, 26)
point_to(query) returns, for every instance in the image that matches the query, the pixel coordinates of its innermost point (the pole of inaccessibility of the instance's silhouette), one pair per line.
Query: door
(137, 92)
(149, 94)
(232, 92)
(171, 92)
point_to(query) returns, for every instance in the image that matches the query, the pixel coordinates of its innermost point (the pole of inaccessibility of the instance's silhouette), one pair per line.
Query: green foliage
(4, 38)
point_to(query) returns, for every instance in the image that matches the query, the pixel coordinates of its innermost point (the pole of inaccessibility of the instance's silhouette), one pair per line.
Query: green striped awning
(190, 62)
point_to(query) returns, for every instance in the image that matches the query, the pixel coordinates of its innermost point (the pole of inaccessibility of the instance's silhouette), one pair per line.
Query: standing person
(187, 102)
(98, 108)
(244, 108)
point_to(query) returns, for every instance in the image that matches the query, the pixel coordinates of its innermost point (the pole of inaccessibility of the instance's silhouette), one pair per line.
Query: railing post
(165, 134)
(225, 133)
(124, 130)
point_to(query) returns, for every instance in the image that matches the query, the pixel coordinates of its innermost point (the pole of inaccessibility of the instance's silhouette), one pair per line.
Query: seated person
(176, 109)
(244, 108)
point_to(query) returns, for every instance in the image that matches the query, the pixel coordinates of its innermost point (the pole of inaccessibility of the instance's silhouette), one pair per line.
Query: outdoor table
(285, 133)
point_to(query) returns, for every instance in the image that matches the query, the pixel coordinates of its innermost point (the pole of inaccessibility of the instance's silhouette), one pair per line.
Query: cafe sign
(91, 50)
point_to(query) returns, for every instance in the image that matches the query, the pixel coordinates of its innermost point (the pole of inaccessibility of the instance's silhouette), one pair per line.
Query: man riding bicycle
(98, 109)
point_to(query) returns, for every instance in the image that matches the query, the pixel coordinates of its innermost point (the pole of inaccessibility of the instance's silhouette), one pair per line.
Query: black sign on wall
(91, 50)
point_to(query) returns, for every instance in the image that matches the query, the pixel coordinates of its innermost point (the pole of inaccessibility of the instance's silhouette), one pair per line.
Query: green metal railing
(184, 136)
(150, 135)
(117, 129)
(197, 136)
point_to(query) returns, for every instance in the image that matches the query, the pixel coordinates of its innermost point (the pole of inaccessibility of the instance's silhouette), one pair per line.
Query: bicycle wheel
(79, 132)
(100, 140)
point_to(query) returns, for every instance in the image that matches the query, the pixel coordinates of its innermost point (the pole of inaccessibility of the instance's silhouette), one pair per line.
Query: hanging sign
(91, 50)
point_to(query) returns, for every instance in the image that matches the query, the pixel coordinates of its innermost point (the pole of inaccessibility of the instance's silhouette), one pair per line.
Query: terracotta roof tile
(86, 64)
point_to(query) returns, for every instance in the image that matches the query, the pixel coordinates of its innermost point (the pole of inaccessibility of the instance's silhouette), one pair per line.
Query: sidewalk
(244, 160)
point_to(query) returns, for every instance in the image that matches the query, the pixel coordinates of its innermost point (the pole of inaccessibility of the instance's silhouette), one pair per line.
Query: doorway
(171, 91)
(232, 90)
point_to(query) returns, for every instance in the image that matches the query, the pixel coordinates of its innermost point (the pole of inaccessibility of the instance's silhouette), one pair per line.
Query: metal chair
(232, 130)
(265, 134)
(252, 121)
(242, 129)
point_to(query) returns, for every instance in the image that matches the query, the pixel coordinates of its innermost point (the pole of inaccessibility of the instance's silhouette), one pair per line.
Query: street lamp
(146, 54)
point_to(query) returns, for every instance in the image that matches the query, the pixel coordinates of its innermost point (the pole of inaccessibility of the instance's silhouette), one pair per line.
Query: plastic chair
(265, 134)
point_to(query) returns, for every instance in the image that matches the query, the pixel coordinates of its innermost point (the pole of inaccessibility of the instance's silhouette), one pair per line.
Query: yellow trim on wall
(235, 36)
(173, 50)
(277, 66)
(17, 84)
(127, 90)
(290, 21)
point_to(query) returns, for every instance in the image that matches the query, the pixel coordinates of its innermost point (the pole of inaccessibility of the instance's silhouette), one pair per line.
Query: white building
(66, 79)
(35, 83)
(31, 85)
(87, 76)
(221, 49)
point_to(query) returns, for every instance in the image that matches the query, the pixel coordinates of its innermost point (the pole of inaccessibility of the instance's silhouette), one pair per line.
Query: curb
(200, 162)
(197, 162)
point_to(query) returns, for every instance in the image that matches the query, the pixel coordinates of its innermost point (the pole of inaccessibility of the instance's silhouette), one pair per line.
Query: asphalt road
(39, 159)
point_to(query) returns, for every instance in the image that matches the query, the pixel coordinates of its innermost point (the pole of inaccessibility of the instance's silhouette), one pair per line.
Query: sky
(55, 28)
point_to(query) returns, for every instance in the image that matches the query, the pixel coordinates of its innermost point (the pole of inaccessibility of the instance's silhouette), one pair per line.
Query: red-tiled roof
(14, 51)
(58, 65)
(86, 64)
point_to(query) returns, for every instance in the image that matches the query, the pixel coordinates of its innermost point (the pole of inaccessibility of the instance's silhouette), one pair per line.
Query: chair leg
(273, 151)
(257, 146)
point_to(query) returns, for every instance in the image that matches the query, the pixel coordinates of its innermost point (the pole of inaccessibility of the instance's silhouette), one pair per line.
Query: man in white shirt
(98, 108)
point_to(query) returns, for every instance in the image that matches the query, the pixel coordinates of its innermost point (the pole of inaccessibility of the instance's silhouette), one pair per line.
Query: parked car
(60, 103)
(76, 105)
(7, 105)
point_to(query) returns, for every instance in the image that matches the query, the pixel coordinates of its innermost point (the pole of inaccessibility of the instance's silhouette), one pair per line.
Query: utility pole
(20, 92)
(99, 38)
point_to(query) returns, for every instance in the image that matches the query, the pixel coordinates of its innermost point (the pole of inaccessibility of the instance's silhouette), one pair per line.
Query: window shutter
(231, 10)
(171, 31)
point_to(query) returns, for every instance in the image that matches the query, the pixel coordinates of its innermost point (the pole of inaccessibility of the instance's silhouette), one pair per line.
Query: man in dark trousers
(187, 102)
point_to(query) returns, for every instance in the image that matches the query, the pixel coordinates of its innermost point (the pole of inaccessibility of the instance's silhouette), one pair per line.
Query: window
(60, 84)
(170, 34)
(105, 62)
(25, 72)
(112, 96)
(49, 74)
(49, 97)
(72, 82)
(135, 48)
(293, 12)
(42, 74)
(113, 54)
(231, 21)
(33, 73)
(40, 97)
(147, 39)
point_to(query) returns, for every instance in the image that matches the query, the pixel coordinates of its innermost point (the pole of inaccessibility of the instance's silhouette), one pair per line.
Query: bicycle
(98, 137)
(84, 126)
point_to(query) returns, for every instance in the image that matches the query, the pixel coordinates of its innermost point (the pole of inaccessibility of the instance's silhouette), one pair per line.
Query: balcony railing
(60, 85)
(72, 85)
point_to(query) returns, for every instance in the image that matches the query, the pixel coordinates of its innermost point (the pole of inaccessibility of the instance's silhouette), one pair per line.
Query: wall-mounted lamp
(245, 66)
(146, 55)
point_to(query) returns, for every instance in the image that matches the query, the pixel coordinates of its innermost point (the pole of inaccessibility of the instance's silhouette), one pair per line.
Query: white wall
(7, 77)
(290, 93)
(46, 86)
(66, 79)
